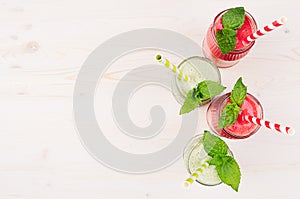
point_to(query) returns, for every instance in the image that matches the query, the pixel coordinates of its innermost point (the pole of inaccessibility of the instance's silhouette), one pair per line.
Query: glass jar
(194, 156)
(212, 51)
(241, 128)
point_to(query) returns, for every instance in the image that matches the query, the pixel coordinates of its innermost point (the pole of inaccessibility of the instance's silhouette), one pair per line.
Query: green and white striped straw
(160, 58)
(194, 176)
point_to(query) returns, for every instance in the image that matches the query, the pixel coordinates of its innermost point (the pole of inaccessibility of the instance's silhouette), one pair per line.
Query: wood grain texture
(44, 44)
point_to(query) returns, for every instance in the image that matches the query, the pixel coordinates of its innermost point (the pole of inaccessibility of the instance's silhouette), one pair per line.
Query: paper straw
(275, 24)
(270, 125)
(194, 176)
(160, 58)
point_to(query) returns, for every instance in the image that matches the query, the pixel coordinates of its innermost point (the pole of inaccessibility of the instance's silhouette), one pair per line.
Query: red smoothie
(212, 51)
(241, 128)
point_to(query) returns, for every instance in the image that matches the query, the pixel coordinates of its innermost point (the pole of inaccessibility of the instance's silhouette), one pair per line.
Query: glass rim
(255, 130)
(242, 49)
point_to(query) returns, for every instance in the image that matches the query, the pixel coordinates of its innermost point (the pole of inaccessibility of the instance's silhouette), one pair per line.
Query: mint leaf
(190, 103)
(229, 171)
(234, 18)
(213, 145)
(208, 89)
(231, 111)
(239, 92)
(216, 160)
(226, 40)
(229, 115)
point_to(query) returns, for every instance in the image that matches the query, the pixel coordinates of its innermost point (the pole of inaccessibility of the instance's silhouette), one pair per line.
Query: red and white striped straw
(270, 125)
(275, 24)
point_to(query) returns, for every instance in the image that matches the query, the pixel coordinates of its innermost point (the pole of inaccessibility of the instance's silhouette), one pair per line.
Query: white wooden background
(42, 47)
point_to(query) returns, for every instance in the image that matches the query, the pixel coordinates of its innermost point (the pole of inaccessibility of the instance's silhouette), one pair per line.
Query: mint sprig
(203, 91)
(227, 168)
(232, 20)
(231, 111)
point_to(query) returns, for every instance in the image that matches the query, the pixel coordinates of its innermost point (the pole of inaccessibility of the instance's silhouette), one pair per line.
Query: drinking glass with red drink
(241, 128)
(238, 115)
(212, 50)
